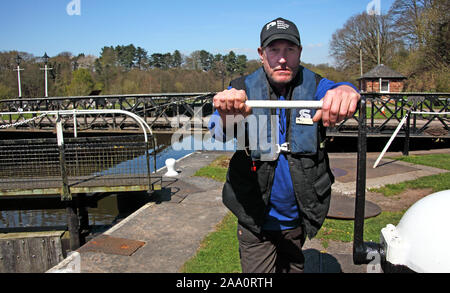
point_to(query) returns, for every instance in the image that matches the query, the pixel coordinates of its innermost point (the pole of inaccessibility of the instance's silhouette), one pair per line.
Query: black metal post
(407, 131)
(360, 183)
(361, 249)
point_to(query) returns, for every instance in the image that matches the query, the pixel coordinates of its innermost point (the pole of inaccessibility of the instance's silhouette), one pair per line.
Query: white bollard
(170, 164)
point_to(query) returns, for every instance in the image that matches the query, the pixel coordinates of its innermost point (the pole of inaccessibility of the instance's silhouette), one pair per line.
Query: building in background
(381, 79)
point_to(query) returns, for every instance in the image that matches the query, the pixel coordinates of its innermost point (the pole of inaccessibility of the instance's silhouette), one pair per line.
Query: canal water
(106, 213)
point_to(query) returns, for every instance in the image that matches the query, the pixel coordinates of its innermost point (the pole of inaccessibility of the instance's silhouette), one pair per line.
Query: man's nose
(282, 60)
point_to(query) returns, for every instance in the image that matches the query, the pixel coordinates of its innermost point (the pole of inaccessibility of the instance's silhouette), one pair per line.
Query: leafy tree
(241, 64)
(126, 56)
(230, 61)
(163, 61)
(206, 60)
(81, 83)
(141, 58)
(177, 59)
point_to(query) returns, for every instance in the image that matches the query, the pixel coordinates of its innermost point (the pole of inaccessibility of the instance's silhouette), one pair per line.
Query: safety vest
(263, 123)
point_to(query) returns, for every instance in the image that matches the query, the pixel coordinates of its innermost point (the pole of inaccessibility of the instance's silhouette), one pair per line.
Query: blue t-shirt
(283, 213)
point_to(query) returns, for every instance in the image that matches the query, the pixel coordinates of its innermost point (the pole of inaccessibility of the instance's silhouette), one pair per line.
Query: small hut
(381, 79)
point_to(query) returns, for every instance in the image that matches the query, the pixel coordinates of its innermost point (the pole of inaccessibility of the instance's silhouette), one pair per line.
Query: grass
(219, 251)
(342, 230)
(217, 170)
(436, 182)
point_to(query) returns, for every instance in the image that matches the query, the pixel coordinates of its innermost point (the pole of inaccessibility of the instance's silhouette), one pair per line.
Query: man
(281, 199)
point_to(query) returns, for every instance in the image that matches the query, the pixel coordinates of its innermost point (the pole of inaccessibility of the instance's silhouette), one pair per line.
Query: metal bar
(360, 185)
(138, 119)
(407, 136)
(390, 140)
(272, 104)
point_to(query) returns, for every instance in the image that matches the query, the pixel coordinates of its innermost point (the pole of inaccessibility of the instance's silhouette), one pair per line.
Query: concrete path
(188, 208)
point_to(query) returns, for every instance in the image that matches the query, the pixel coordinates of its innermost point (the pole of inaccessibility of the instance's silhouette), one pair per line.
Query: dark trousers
(271, 251)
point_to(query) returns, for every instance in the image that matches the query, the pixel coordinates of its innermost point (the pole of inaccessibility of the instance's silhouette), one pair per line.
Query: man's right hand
(231, 102)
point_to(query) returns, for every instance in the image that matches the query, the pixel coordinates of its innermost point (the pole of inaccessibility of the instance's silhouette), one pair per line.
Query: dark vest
(302, 138)
(246, 192)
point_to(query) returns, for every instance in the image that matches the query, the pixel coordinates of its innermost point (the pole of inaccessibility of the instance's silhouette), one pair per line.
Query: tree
(206, 60)
(408, 19)
(126, 56)
(177, 59)
(424, 26)
(241, 64)
(362, 30)
(81, 83)
(141, 58)
(163, 61)
(230, 61)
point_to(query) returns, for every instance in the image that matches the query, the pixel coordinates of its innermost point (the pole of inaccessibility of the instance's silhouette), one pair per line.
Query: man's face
(280, 60)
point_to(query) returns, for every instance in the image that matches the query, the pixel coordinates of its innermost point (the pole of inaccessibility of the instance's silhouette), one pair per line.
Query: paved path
(188, 209)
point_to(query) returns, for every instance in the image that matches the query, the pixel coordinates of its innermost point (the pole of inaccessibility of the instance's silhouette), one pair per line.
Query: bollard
(170, 164)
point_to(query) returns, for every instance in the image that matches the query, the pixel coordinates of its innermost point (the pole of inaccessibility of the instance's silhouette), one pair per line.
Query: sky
(55, 26)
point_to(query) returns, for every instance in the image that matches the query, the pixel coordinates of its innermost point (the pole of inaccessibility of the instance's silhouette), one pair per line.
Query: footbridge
(167, 112)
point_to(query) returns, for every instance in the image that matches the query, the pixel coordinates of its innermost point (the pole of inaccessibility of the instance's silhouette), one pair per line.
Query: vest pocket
(322, 185)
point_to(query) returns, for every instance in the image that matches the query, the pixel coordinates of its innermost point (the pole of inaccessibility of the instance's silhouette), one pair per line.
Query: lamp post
(18, 60)
(45, 58)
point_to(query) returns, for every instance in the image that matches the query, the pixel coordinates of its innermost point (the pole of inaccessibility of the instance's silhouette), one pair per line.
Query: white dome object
(420, 240)
(170, 164)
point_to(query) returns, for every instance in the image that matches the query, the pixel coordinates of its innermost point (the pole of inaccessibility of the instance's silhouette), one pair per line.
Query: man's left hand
(338, 104)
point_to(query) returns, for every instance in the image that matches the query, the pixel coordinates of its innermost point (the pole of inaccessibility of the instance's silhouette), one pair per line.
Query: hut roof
(382, 71)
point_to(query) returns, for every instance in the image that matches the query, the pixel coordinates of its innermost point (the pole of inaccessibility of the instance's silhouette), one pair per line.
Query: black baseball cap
(279, 29)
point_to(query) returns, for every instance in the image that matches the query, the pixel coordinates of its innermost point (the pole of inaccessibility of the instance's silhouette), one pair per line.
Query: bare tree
(409, 21)
(362, 31)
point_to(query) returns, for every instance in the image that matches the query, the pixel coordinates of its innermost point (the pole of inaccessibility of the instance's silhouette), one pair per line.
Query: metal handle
(284, 104)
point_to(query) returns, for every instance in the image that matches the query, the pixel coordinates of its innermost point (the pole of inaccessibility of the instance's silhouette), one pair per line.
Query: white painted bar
(284, 104)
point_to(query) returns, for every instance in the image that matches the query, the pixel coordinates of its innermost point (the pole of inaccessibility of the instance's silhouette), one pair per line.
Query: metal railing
(66, 165)
(155, 109)
(384, 112)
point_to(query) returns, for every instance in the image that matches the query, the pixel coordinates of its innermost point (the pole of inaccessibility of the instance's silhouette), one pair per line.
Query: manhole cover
(112, 245)
(343, 207)
(337, 172)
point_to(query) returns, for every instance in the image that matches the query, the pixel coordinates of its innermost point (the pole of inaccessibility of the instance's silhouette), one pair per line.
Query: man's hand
(338, 104)
(231, 102)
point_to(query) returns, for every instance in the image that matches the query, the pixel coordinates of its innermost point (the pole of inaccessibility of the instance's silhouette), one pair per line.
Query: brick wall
(373, 85)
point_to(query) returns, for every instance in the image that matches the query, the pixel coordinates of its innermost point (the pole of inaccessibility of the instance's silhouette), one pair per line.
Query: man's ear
(260, 53)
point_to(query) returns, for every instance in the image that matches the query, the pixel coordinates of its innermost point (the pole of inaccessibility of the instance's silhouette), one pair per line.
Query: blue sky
(38, 26)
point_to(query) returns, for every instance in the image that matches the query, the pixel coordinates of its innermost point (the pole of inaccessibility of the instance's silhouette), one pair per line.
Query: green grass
(342, 230)
(217, 170)
(436, 182)
(219, 251)
(441, 161)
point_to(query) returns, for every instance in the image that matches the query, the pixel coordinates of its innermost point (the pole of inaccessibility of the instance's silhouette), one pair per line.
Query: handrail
(74, 112)
(158, 95)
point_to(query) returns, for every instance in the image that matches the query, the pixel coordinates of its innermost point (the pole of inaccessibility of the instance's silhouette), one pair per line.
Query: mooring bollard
(170, 164)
